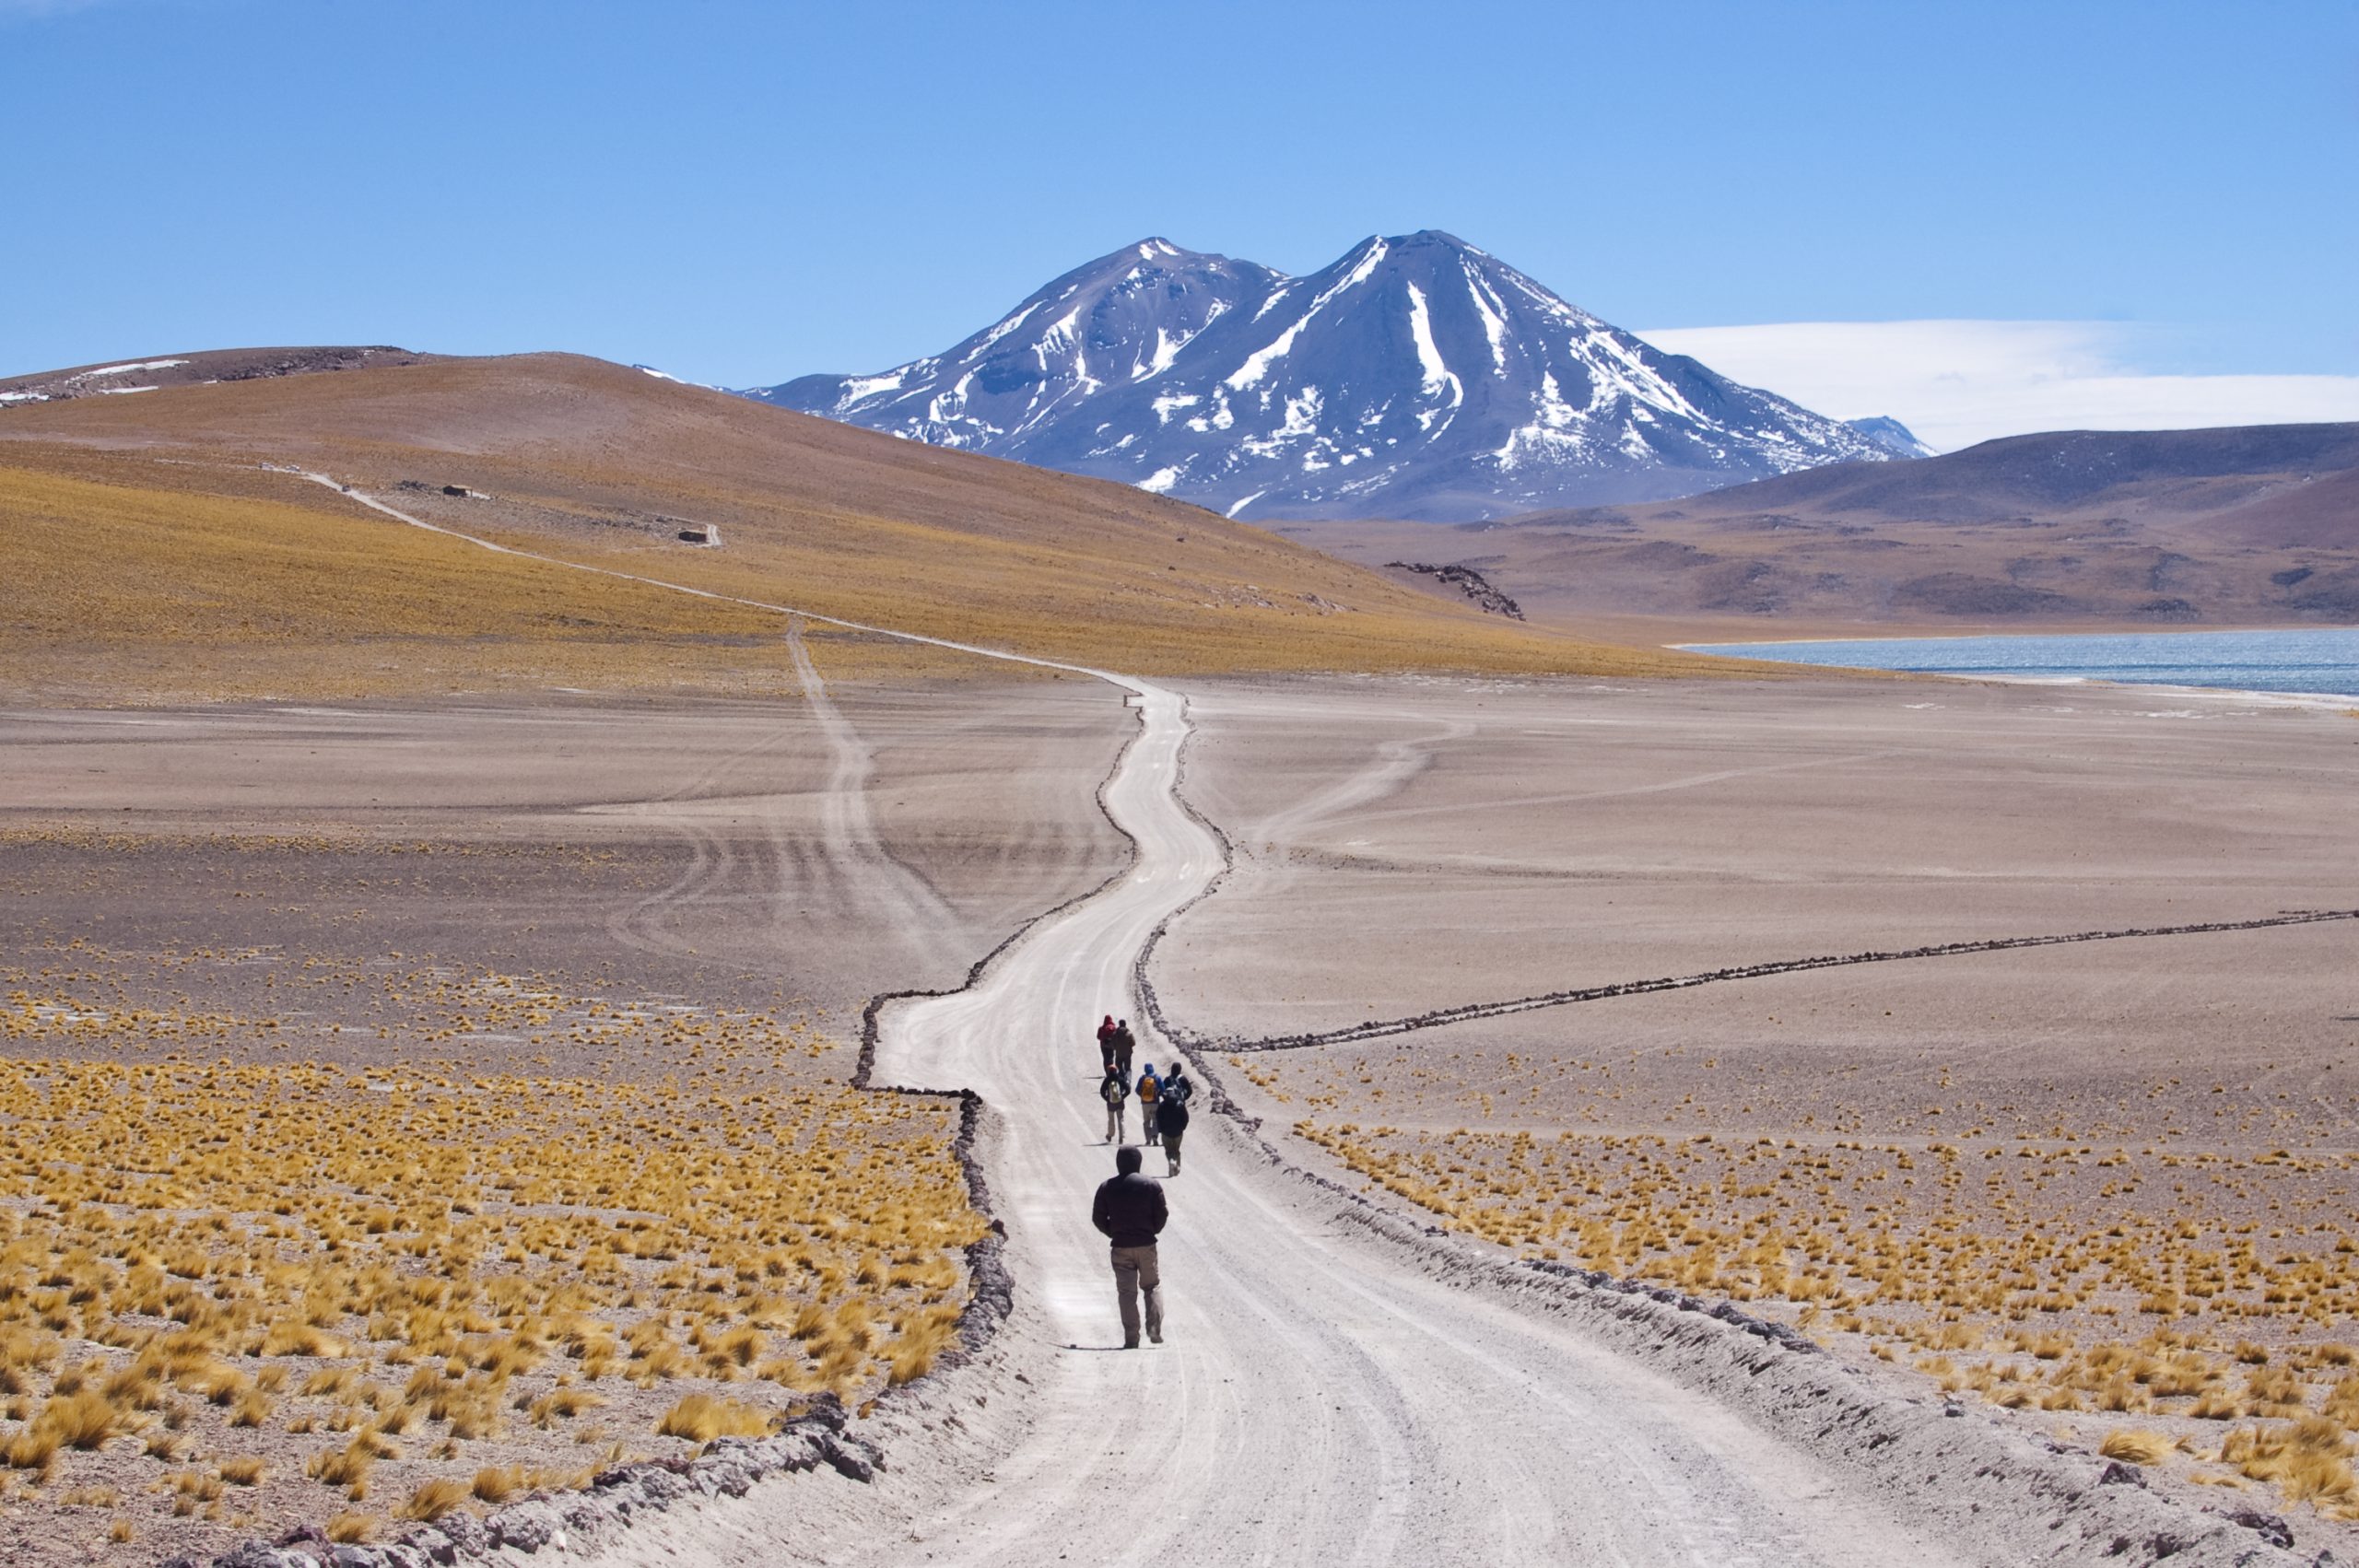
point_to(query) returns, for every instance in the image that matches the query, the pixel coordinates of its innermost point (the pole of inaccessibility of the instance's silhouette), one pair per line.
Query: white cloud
(1958, 382)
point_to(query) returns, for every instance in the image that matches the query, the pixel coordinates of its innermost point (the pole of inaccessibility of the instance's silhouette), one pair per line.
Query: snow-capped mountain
(1416, 377)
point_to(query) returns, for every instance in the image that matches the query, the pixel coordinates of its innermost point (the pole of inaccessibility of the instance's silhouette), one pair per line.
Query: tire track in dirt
(711, 858)
(859, 868)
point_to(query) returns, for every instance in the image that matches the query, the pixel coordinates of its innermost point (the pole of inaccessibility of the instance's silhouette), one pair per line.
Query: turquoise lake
(2320, 661)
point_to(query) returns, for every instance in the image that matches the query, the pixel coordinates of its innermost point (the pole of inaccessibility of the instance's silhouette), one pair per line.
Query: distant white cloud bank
(1962, 382)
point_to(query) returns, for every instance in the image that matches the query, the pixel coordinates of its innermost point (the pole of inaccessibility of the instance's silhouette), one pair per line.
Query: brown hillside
(156, 519)
(2251, 526)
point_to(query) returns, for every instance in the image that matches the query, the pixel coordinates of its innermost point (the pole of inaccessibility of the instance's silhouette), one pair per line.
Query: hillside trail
(1317, 1400)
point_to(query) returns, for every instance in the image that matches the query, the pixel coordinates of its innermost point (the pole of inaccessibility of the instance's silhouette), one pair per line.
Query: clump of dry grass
(193, 1491)
(2307, 1459)
(2136, 1447)
(562, 1404)
(496, 1483)
(352, 1530)
(242, 1469)
(83, 1419)
(434, 1498)
(702, 1418)
(348, 1466)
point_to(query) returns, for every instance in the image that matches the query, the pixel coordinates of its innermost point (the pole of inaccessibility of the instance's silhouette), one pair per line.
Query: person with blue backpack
(1116, 1095)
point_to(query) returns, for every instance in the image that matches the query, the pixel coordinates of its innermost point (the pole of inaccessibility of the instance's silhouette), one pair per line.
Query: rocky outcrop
(1467, 580)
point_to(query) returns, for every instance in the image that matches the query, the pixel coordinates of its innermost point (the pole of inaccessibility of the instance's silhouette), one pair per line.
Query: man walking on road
(1171, 1113)
(1130, 1210)
(1124, 1043)
(1106, 1033)
(1116, 1095)
(1172, 1119)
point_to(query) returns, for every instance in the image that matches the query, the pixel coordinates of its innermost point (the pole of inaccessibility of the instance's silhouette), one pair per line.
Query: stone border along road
(1338, 1386)
(1378, 1028)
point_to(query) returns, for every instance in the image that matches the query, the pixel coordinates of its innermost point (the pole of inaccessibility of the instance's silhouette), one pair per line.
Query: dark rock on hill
(201, 368)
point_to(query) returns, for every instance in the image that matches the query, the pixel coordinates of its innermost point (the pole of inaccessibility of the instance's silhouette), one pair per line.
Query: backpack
(1179, 1090)
(1149, 1088)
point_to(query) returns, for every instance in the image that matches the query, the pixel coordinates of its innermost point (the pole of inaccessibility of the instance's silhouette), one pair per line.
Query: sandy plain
(2106, 1185)
(679, 847)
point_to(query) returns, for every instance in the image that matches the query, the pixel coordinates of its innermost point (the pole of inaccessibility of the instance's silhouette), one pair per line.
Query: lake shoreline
(2311, 666)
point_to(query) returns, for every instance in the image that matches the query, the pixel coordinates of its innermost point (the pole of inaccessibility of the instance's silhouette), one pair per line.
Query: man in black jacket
(1130, 1209)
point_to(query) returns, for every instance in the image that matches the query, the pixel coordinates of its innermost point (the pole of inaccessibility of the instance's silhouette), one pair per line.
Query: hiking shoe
(1133, 1344)
(1156, 1334)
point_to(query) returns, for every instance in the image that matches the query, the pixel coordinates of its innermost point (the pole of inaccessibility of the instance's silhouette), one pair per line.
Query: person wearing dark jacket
(1124, 1044)
(1129, 1208)
(1172, 1119)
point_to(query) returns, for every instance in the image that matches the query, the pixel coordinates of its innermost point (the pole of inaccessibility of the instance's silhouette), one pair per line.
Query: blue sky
(742, 192)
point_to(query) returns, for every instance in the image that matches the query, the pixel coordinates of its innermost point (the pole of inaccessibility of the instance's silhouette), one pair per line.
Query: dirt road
(1303, 1408)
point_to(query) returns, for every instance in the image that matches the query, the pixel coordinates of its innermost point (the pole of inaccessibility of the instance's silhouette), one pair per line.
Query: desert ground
(2108, 1184)
(642, 933)
(508, 1007)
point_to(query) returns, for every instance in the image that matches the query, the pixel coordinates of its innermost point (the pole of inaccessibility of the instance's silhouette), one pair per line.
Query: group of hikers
(1163, 1098)
(1130, 1208)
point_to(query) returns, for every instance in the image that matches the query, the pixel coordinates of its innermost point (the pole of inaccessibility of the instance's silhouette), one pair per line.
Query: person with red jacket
(1106, 1034)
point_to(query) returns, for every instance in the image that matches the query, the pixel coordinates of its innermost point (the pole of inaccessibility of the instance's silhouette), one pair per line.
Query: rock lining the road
(1440, 1017)
(729, 1467)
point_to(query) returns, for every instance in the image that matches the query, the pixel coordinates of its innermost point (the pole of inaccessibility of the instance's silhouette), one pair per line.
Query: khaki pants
(1114, 1119)
(1172, 1150)
(1147, 1134)
(1135, 1269)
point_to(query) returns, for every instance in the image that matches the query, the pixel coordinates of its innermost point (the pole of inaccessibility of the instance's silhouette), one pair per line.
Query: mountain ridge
(2073, 530)
(1416, 376)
